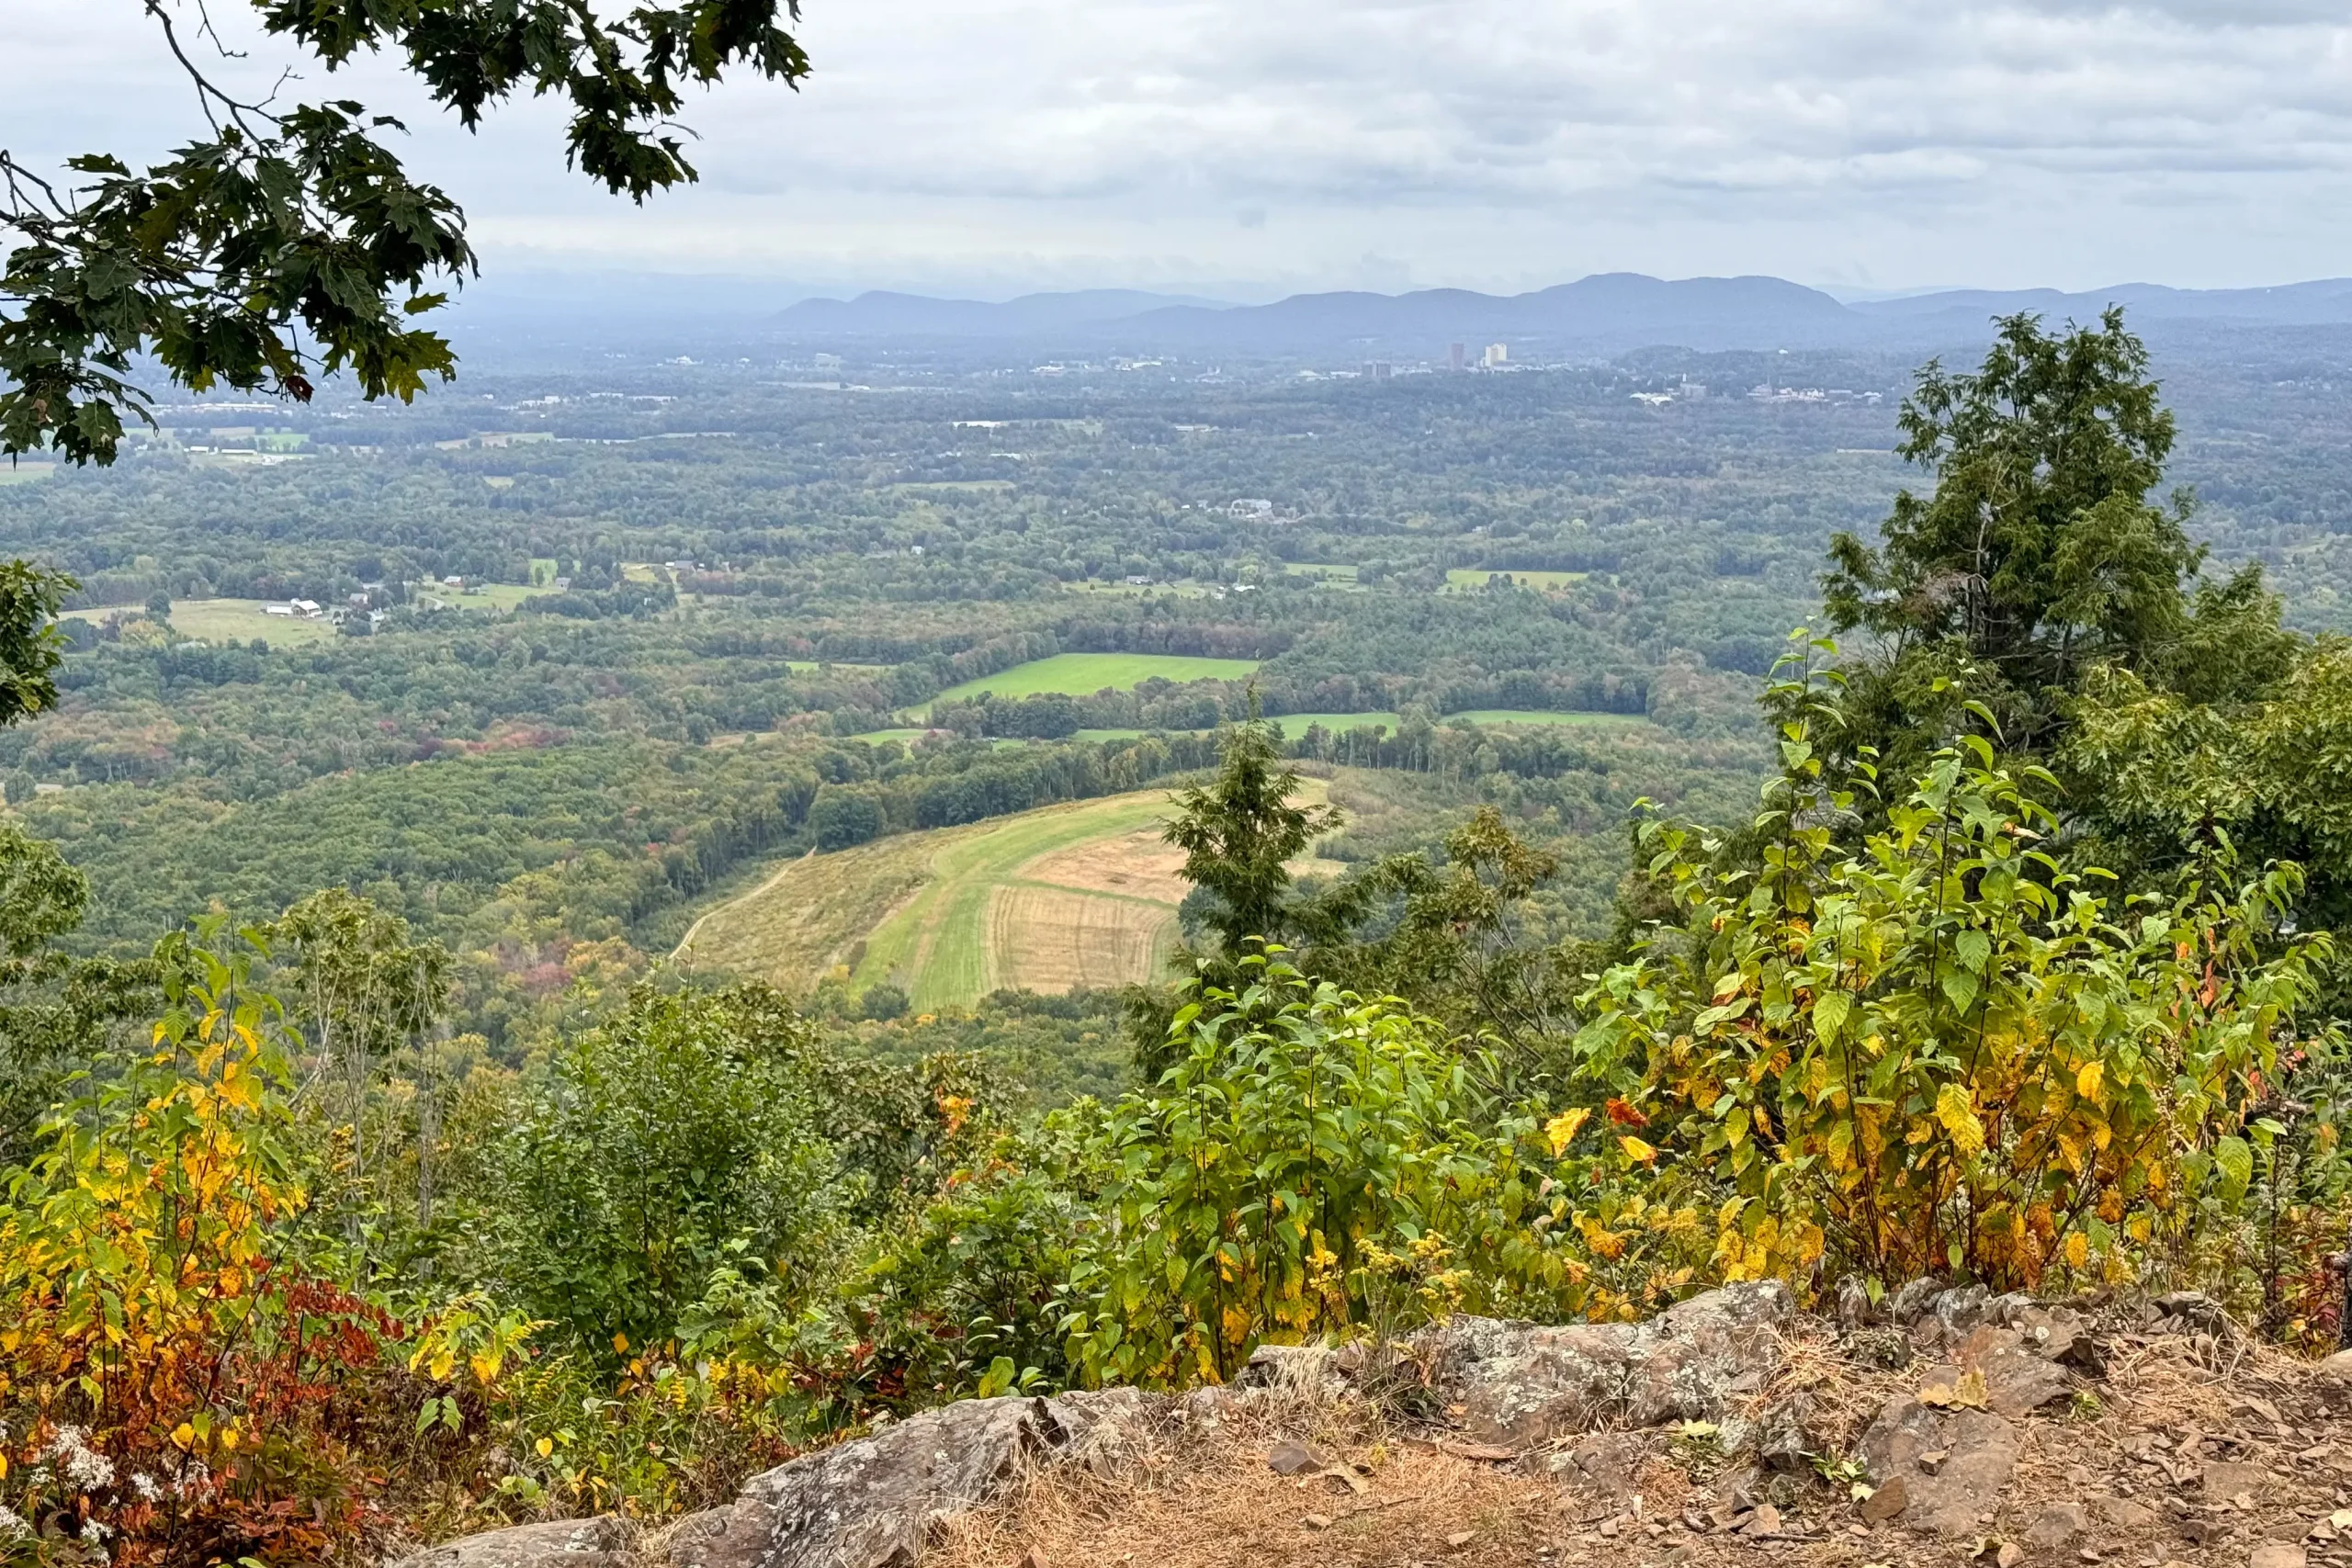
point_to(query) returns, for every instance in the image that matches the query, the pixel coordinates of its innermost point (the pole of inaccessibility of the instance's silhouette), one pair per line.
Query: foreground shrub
(1319, 1165)
(1940, 1050)
(180, 1386)
(685, 1124)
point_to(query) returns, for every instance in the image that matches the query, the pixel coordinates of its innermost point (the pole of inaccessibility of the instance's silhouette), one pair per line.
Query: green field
(1475, 577)
(240, 620)
(1082, 674)
(499, 596)
(935, 946)
(1078, 895)
(1297, 724)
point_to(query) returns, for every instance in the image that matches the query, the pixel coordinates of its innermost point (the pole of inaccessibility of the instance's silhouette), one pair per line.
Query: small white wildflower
(12, 1524)
(144, 1485)
(84, 1466)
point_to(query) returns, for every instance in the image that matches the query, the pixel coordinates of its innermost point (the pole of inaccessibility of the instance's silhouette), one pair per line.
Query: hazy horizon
(745, 291)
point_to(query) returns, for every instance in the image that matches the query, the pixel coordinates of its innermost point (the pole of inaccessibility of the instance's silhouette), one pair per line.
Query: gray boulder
(600, 1542)
(873, 1503)
(2016, 1381)
(1522, 1384)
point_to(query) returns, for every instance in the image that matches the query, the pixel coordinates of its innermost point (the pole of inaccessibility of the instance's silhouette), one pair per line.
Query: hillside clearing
(950, 944)
(242, 620)
(811, 915)
(1082, 674)
(1470, 578)
(1079, 896)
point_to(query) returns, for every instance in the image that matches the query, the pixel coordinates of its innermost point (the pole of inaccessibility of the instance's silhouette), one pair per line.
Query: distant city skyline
(1244, 151)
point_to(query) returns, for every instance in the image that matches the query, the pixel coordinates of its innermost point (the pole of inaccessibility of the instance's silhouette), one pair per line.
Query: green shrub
(1941, 1049)
(687, 1122)
(1318, 1165)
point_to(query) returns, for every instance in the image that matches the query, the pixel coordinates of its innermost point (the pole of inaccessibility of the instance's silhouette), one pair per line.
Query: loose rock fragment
(2059, 1524)
(1288, 1458)
(2124, 1513)
(1887, 1502)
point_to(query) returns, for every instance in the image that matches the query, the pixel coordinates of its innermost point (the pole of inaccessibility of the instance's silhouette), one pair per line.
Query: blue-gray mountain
(1607, 313)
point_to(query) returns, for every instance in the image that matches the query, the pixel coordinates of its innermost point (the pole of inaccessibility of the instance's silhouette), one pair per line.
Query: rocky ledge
(1963, 1373)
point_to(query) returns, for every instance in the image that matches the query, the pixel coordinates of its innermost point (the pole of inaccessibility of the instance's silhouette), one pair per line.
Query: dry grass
(1076, 893)
(2170, 1406)
(811, 915)
(1052, 939)
(1138, 864)
(1210, 1501)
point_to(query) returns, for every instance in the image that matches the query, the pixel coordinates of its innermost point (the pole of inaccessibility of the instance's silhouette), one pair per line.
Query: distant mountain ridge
(1605, 313)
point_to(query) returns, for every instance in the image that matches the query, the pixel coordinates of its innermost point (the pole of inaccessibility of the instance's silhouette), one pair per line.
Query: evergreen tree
(1240, 831)
(2042, 554)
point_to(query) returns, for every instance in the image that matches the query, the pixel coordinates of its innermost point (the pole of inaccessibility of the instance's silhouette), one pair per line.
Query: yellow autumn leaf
(485, 1366)
(546, 1447)
(2078, 1250)
(1958, 1116)
(620, 1343)
(1561, 1130)
(1607, 1243)
(2089, 1079)
(1238, 1325)
(184, 1436)
(1966, 1392)
(1636, 1150)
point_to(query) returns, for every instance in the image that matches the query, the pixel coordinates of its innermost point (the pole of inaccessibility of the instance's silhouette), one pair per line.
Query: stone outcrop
(601, 1542)
(1949, 1465)
(873, 1502)
(1522, 1384)
(1557, 1401)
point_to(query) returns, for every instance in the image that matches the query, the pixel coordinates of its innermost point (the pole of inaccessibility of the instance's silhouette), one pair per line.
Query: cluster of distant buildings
(1765, 392)
(358, 605)
(1493, 357)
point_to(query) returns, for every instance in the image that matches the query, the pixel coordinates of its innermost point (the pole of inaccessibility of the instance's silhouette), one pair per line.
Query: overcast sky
(990, 146)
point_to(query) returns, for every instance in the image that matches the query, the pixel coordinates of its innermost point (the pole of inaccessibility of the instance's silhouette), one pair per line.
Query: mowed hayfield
(1471, 578)
(1077, 896)
(240, 620)
(500, 596)
(1084, 674)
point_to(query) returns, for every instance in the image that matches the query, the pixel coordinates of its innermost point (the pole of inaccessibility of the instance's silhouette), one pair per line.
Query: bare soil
(2191, 1449)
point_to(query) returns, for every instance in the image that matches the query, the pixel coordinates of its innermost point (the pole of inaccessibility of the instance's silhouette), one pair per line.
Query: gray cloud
(1483, 141)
